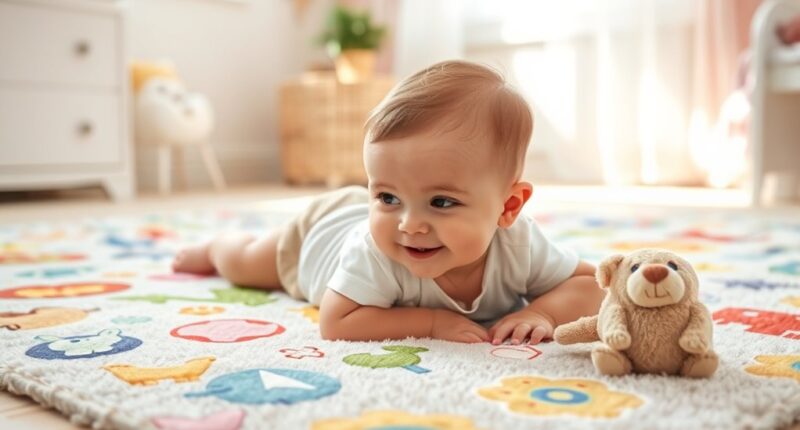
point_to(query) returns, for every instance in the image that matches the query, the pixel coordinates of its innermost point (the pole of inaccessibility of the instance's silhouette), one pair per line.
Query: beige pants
(291, 238)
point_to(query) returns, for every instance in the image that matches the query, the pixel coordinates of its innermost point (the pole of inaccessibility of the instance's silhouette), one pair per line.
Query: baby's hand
(448, 325)
(521, 325)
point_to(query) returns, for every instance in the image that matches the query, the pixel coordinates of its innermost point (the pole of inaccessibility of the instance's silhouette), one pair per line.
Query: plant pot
(355, 65)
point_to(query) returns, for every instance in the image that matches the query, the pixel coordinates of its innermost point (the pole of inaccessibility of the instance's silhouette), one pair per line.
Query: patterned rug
(94, 324)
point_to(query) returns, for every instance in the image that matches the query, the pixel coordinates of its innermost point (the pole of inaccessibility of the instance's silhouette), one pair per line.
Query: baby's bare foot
(193, 259)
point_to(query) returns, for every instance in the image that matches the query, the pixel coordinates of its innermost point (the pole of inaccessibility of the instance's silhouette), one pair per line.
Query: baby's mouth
(420, 253)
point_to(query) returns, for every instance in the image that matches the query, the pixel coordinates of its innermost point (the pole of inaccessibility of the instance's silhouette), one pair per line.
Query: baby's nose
(411, 224)
(655, 273)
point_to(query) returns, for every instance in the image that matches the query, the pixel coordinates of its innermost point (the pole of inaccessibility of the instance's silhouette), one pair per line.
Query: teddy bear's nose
(655, 273)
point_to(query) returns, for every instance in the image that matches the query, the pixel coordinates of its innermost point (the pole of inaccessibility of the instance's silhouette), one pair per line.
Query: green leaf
(349, 29)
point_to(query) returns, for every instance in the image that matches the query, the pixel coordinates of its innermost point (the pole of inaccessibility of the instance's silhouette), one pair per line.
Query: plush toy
(651, 320)
(169, 117)
(167, 114)
(142, 71)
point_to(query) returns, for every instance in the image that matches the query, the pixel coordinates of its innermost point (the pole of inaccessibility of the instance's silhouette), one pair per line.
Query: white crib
(775, 122)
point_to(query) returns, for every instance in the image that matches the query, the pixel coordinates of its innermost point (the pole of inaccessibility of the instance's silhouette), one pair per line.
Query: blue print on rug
(276, 386)
(107, 342)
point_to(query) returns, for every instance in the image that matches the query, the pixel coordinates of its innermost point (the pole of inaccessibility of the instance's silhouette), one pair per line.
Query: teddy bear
(651, 320)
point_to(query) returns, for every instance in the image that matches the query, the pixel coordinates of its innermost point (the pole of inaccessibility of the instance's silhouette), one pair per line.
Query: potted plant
(352, 40)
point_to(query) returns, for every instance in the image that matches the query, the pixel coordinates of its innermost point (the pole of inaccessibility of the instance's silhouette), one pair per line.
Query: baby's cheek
(469, 240)
(380, 229)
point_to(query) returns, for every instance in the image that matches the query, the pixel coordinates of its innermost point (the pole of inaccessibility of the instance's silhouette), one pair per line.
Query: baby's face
(435, 200)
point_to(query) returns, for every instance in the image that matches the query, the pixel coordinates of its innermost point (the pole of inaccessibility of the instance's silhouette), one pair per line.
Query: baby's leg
(241, 258)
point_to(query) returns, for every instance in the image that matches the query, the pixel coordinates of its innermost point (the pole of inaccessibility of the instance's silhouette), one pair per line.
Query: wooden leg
(164, 169)
(179, 161)
(212, 166)
(119, 187)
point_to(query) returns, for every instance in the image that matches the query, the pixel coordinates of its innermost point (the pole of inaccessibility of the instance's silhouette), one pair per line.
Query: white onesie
(339, 253)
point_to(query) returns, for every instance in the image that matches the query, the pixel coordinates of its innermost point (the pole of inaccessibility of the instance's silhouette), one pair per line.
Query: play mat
(94, 324)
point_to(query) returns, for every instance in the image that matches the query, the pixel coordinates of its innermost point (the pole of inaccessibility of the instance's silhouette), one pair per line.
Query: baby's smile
(422, 253)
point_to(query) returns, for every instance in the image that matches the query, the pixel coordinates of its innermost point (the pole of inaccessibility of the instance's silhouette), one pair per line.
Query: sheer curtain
(616, 85)
(720, 108)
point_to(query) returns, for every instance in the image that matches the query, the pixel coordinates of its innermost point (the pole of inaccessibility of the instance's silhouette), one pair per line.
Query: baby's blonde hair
(454, 95)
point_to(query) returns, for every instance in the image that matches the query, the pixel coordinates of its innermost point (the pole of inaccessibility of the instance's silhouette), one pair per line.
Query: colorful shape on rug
(41, 317)
(75, 289)
(106, 342)
(533, 395)
(227, 330)
(792, 300)
(187, 372)
(399, 356)
(673, 245)
(130, 320)
(300, 353)
(229, 419)
(55, 272)
(310, 312)
(234, 295)
(788, 268)
(274, 386)
(179, 277)
(518, 352)
(755, 284)
(761, 321)
(202, 310)
(781, 366)
(396, 420)
(14, 257)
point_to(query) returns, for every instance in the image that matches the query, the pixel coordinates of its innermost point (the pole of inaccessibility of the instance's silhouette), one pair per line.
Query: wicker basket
(322, 128)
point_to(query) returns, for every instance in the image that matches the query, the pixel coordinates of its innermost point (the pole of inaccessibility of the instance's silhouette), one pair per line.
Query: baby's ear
(515, 200)
(607, 268)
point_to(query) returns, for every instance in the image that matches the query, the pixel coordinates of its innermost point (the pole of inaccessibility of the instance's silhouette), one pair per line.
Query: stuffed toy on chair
(651, 320)
(168, 116)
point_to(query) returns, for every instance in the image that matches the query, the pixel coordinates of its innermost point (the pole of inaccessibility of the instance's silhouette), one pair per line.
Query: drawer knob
(82, 48)
(85, 128)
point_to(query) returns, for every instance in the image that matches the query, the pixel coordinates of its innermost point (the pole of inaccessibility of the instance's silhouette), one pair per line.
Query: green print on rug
(400, 356)
(244, 296)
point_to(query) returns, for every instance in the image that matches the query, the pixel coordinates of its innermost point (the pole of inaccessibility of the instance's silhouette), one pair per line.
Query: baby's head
(444, 153)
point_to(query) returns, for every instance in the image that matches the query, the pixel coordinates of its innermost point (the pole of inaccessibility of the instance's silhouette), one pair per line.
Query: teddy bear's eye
(635, 267)
(672, 265)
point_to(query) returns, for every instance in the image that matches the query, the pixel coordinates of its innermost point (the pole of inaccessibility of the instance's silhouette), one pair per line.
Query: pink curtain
(718, 124)
(722, 35)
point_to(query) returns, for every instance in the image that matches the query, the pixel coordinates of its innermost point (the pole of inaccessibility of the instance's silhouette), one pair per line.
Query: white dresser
(64, 96)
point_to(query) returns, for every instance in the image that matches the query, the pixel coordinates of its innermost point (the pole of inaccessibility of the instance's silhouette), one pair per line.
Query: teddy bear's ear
(607, 268)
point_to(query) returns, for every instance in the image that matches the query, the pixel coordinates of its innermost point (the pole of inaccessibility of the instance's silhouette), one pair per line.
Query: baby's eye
(443, 202)
(388, 199)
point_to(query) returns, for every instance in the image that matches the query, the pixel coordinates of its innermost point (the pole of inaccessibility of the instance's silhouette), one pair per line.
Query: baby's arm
(577, 296)
(342, 318)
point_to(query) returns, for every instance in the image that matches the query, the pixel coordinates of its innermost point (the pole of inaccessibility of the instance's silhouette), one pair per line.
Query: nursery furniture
(322, 127)
(774, 129)
(171, 118)
(64, 96)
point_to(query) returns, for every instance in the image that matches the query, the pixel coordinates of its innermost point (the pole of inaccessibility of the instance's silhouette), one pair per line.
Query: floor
(54, 205)
(22, 413)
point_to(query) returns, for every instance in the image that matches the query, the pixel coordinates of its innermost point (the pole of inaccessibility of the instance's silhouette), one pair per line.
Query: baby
(436, 246)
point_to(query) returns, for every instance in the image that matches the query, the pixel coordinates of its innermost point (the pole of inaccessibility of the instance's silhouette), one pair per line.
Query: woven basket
(322, 128)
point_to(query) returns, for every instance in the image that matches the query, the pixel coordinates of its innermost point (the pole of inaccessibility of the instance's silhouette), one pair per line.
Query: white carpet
(203, 355)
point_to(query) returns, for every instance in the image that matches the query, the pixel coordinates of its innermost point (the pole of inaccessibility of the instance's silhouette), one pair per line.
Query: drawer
(56, 126)
(57, 46)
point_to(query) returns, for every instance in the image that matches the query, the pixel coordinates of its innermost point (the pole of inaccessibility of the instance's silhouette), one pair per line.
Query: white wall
(427, 32)
(237, 52)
